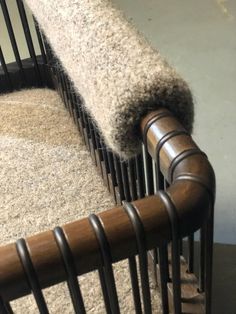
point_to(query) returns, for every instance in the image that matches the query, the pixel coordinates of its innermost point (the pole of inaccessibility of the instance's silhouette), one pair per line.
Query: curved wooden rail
(191, 192)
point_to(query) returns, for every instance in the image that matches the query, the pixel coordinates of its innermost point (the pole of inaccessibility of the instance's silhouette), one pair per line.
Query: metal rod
(191, 253)
(69, 265)
(4, 67)
(112, 168)
(175, 251)
(209, 261)
(5, 308)
(132, 179)
(40, 41)
(202, 260)
(12, 39)
(140, 177)
(119, 177)
(164, 276)
(27, 264)
(147, 162)
(135, 285)
(29, 40)
(143, 263)
(107, 261)
(125, 180)
(104, 291)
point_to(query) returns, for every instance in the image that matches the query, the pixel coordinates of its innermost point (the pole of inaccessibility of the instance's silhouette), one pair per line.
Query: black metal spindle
(112, 168)
(202, 259)
(140, 176)
(30, 272)
(5, 308)
(69, 95)
(119, 177)
(98, 152)
(104, 291)
(80, 117)
(164, 277)
(92, 140)
(143, 263)
(107, 262)
(5, 70)
(175, 251)
(135, 285)
(132, 179)
(209, 261)
(40, 41)
(125, 180)
(105, 163)
(155, 178)
(147, 163)
(191, 253)
(48, 50)
(29, 40)
(86, 129)
(13, 39)
(69, 265)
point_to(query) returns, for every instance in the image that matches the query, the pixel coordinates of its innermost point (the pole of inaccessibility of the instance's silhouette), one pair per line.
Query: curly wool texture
(117, 72)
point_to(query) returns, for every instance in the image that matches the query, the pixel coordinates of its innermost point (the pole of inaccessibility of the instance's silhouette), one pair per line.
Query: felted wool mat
(119, 74)
(47, 179)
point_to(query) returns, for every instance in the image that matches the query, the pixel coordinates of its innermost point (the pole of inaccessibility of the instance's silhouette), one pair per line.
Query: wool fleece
(119, 75)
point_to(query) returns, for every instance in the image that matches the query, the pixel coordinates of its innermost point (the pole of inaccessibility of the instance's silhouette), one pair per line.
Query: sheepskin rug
(119, 74)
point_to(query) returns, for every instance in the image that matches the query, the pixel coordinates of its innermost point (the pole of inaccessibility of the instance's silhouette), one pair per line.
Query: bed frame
(164, 196)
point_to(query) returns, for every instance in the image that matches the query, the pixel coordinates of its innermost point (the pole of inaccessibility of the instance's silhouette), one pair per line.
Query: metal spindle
(175, 251)
(5, 70)
(209, 261)
(29, 40)
(164, 277)
(191, 253)
(119, 177)
(135, 285)
(132, 179)
(70, 268)
(27, 264)
(143, 263)
(107, 261)
(13, 39)
(147, 163)
(125, 180)
(40, 41)
(5, 308)
(202, 260)
(140, 176)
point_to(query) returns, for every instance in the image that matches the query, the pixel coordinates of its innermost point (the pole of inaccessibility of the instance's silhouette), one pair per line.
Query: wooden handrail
(191, 191)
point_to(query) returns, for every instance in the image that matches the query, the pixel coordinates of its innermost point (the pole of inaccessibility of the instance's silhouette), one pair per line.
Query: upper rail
(191, 194)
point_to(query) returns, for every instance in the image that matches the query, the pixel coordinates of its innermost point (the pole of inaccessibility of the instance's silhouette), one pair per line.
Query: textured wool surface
(47, 179)
(117, 72)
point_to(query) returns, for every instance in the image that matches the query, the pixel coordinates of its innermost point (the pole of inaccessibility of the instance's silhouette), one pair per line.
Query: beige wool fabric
(117, 72)
(47, 179)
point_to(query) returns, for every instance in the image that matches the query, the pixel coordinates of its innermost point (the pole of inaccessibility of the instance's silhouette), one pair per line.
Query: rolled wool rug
(116, 71)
